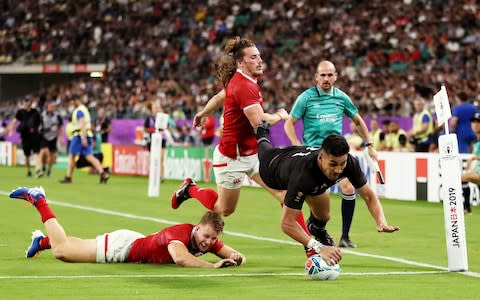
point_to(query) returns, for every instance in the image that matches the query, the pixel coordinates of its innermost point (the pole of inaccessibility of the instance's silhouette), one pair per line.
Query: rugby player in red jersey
(235, 157)
(178, 244)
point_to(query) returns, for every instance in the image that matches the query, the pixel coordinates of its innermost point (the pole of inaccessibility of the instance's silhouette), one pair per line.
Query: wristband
(369, 144)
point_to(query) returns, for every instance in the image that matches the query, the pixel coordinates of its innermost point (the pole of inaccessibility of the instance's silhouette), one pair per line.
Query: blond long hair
(232, 52)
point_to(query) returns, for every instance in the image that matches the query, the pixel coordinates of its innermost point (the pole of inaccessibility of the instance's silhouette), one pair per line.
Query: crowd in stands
(387, 53)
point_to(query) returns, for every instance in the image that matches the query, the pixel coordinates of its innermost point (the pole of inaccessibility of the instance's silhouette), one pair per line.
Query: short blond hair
(213, 219)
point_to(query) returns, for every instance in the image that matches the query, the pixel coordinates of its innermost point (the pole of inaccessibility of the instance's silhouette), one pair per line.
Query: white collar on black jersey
(247, 76)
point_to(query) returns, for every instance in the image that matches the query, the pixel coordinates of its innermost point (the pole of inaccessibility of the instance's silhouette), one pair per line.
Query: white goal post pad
(451, 193)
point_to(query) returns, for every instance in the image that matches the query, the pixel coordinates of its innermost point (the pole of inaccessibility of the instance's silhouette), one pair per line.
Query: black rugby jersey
(295, 169)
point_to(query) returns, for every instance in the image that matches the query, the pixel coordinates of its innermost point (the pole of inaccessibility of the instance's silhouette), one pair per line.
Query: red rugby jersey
(241, 92)
(153, 249)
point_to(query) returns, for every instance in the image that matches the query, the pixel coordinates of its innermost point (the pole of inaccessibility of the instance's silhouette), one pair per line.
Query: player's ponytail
(226, 66)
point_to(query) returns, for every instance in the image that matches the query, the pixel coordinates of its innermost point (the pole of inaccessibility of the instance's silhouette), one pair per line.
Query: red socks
(207, 197)
(301, 221)
(45, 243)
(44, 210)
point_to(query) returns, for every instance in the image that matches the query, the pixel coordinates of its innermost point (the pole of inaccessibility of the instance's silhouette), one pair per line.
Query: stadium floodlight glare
(161, 121)
(451, 188)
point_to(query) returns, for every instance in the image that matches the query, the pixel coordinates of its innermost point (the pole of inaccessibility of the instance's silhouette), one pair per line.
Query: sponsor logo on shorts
(237, 181)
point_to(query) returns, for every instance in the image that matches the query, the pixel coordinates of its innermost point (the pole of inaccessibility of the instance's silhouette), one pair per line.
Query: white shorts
(114, 247)
(230, 173)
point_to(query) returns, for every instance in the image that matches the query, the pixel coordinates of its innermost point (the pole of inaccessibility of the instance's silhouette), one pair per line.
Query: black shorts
(30, 144)
(207, 141)
(51, 145)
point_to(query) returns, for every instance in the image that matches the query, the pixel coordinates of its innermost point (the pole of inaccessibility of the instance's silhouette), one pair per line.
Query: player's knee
(226, 211)
(59, 253)
(348, 189)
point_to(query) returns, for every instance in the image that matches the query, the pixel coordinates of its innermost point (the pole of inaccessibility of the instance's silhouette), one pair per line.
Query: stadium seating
(386, 52)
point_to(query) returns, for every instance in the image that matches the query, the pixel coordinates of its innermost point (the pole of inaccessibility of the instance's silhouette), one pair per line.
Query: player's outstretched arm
(276, 117)
(289, 128)
(180, 255)
(213, 104)
(255, 115)
(376, 209)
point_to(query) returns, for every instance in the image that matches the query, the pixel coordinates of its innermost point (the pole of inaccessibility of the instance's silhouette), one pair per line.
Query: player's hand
(199, 120)
(469, 163)
(238, 258)
(330, 254)
(282, 113)
(387, 228)
(225, 263)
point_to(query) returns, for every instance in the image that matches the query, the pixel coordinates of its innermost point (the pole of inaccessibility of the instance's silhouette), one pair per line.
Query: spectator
(103, 124)
(422, 130)
(207, 133)
(396, 139)
(3, 131)
(385, 66)
(185, 136)
(377, 136)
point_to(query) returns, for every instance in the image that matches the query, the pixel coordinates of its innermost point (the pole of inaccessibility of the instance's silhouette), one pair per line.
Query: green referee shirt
(322, 113)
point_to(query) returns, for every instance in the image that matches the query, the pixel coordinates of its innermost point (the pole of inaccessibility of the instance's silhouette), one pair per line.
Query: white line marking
(248, 236)
(210, 275)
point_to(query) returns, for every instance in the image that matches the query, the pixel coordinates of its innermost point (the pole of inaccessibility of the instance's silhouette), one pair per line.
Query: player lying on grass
(306, 174)
(179, 244)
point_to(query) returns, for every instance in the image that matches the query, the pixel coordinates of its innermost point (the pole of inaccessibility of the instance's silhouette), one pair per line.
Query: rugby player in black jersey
(305, 174)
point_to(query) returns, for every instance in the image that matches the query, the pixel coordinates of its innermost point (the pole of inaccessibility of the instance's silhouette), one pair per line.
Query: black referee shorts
(30, 144)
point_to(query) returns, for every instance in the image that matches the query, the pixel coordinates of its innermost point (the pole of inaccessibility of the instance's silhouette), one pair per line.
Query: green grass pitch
(409, 264)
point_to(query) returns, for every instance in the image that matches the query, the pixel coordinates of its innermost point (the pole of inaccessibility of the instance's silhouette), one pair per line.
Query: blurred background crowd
(387, 53)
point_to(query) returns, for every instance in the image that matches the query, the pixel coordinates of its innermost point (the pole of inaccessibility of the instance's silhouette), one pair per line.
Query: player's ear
(319, 157)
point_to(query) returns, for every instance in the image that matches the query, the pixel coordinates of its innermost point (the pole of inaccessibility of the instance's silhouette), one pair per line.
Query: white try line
(243, 235)
(210, 275)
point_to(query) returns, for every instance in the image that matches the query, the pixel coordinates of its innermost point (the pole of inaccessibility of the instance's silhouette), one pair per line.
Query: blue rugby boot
(32, 195)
